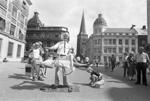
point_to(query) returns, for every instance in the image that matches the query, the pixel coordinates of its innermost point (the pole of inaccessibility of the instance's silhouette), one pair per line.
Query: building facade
(13, 25)
(36, 31)
(102, 44)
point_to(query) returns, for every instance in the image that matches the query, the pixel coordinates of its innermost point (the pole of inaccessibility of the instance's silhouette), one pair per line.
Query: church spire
(82, 27)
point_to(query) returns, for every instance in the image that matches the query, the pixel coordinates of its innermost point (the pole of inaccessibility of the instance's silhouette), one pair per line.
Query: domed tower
(99, 25)
(34, 22)
(82, 39)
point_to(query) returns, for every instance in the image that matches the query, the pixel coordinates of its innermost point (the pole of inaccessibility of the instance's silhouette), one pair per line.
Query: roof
(141, 31)
(100, 21)
(119, 30)
(34, 21)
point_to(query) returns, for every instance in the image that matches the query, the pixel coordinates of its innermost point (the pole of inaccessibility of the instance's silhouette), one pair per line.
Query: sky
(68, 13)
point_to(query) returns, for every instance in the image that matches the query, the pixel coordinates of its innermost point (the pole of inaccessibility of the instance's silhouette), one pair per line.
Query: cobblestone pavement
(16, 86)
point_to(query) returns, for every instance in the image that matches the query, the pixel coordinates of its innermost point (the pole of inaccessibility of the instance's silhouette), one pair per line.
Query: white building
(102, 44)
(13, 25)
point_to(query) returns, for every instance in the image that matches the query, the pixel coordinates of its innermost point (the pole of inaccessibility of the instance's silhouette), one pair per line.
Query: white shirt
(143, 57)
(36, 53)
(62, 47)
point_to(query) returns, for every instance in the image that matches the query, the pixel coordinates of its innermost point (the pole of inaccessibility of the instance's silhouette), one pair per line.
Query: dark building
(82, 39)
(36, 31)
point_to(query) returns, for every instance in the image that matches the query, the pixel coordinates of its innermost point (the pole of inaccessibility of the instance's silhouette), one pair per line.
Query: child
(96, 78)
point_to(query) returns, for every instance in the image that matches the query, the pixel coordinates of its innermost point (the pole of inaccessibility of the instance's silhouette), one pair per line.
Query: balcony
(3, 3)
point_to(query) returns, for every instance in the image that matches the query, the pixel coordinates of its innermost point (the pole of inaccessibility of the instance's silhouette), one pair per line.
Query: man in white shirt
(63, 48)
(142, 60)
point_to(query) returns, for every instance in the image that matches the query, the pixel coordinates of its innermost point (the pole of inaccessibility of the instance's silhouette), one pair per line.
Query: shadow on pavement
(123, 89)
(19, 76)
(29, 85)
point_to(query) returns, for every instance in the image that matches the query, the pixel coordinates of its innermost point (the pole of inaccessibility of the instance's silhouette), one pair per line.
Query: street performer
(63, 62)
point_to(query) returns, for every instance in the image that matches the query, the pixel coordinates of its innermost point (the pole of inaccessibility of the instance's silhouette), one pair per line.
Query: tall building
(82, 39)
(13, 25)
(103, 43)
(48, 35)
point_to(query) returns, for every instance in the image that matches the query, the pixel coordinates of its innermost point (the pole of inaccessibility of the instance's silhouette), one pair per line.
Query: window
(110, 41)
(105, 41)
(109, 50)
(127, 50)
(133, 49)
(0, 45)
(105, 49)
(18, 50)
(105, 58)
(2, 24)
(10, 49)
(120, 41)
(133, 42)
(22, 18)
(120, 50)
(114, 41)
(12, 29)
(114, 50)
(120, 58)
(126, 42)
(14, 12)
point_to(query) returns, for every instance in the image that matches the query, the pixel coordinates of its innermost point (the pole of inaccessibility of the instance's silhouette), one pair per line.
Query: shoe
(137, 83)
(145, 84)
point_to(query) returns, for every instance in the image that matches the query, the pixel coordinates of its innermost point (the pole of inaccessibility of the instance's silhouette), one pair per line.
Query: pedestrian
(113, 62)
(131, 66)
(125, 64)
(142, 60)
(36, 61)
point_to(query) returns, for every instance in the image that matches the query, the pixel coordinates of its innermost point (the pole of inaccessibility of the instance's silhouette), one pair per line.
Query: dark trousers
(141, 69)
(113, 66)
(125, 67)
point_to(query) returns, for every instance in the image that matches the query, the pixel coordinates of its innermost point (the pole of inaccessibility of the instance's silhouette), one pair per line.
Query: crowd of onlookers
(135, 66)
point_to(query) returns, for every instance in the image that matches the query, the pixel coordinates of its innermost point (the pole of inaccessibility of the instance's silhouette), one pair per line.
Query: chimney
(132, 26)
(144, 27)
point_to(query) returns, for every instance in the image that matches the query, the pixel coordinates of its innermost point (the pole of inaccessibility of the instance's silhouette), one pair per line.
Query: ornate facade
(13, 25)
(36, 31)
(107, 41)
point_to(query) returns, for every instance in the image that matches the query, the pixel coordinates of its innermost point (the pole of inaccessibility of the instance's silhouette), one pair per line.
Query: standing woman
(142, 59)
(131, 64)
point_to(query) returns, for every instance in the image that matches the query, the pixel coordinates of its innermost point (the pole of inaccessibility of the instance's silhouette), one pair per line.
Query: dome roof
(34, 21)
(100, 21)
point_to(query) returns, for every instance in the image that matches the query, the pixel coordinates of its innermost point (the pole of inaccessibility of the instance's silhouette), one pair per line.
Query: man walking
(113, 62)
(142, 60)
